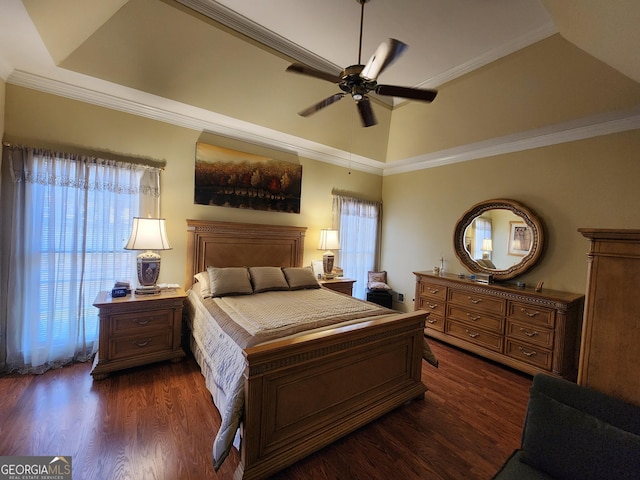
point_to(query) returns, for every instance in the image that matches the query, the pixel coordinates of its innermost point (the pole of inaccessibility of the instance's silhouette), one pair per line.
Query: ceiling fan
(358, 80)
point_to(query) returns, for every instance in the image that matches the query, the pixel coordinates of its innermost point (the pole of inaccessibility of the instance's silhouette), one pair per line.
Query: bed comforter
(221, 328)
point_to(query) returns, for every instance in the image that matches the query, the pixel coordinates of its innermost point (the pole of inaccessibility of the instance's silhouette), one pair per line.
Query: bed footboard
(304, 393)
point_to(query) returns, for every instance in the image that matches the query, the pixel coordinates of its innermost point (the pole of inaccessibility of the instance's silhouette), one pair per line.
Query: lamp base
(148, 268)
(327, 265)
(148, 290)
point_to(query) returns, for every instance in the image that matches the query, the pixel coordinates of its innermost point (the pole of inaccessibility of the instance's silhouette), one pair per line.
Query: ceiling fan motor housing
(354, 84)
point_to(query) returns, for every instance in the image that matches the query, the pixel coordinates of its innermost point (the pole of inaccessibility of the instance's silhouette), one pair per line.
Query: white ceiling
(446, 38)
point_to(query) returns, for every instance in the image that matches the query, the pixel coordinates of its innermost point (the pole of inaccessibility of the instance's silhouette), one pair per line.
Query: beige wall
(544, 84)
(45, 119)
(590, 183)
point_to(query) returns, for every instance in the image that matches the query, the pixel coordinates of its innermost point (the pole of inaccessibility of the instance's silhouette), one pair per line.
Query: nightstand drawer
(156, 341)
(151, 320)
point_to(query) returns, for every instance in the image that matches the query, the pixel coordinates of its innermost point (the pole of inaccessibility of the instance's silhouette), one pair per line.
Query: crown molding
(164, 110)
(580, 129)
(135, 102)
(255, 31)
(529, 38)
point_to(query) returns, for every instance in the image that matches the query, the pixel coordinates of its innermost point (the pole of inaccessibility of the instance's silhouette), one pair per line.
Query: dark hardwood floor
(158, 422)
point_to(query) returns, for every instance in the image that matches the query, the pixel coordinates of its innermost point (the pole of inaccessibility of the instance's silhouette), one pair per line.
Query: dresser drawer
(477, 301)
(531, 354)
(474, 335)
(435, 322)
(127, 323)
(531, 314)
(477, 319)
(434, 291)
(434, 306)
(530, 333)
(155, 341)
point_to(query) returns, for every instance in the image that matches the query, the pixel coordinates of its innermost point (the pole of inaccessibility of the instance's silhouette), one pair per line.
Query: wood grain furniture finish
(136, 330)
(534, 332)
(305, 392)
(342, 285)
(610, 353)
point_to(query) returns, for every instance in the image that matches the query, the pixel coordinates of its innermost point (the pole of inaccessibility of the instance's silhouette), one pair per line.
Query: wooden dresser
(610, 351)
(527, 330)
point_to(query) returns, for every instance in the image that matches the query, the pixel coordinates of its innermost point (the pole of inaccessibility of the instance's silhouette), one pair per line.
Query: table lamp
(148, 234)
(328, 241)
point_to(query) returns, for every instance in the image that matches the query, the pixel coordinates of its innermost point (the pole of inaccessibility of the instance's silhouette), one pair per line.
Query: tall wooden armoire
(610, 347)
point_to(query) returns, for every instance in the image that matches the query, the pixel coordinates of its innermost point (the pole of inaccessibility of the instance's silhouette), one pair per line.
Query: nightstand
(342, 285)
(136, 330)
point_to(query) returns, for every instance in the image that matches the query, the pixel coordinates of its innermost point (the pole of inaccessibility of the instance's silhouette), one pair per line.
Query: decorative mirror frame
(532, 221)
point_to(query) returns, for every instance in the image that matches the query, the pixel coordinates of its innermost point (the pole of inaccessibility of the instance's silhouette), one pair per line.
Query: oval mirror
(499, 237)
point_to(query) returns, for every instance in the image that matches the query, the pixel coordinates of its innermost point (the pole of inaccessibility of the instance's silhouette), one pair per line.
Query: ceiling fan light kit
(358, 80)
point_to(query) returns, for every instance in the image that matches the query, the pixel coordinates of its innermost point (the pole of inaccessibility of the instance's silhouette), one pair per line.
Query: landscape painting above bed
(229, 178)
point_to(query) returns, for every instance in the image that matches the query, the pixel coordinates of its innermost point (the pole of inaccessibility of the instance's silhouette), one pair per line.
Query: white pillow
(203, 280)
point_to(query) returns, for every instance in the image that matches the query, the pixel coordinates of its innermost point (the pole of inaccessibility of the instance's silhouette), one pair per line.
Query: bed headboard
(228, 244)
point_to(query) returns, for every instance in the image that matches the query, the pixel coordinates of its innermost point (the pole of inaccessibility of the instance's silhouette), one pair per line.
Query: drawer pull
(528, 354)
(431, 321)
(142, 321)
(472, 335)
(475, 319)
(529, 334)
(433, 291)
(141, 343)
(529, 314)
(474, 300)
(435, 305)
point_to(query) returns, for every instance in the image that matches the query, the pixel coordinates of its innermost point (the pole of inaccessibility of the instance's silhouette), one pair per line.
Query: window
(358, 225)
(70, 219)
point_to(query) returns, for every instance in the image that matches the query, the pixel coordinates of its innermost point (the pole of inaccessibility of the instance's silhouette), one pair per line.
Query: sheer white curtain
(65, 221)
(358, 223)
(482, 231)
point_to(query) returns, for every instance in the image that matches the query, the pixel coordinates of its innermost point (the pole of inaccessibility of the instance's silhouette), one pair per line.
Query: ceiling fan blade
(406, 92)
(312, 72)
(366, 112)
(320, 105)
(384, 56)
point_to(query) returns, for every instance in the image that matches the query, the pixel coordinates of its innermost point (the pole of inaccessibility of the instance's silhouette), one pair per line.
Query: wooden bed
(370, 367)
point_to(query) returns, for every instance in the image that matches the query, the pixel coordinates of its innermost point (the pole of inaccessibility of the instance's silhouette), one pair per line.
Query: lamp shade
(148, 234)
(329, 240)
(487, 245)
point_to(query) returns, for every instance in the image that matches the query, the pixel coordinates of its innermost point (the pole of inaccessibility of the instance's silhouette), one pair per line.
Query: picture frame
(520, 238)
(226, 177)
